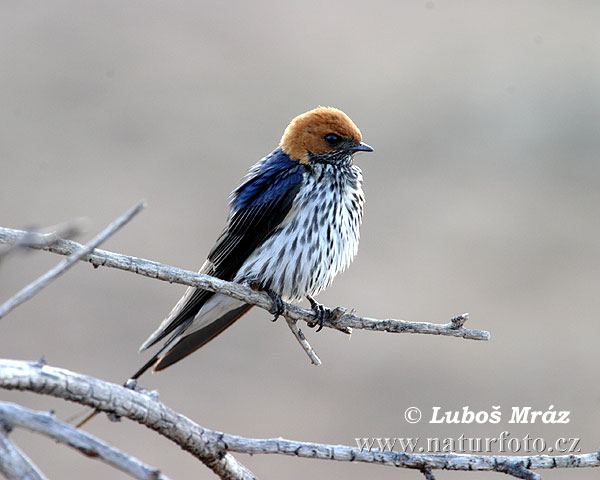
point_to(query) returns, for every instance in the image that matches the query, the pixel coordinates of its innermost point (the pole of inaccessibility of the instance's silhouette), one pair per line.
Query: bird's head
(322, 134)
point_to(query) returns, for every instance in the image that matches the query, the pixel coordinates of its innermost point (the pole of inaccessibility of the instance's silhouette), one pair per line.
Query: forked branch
(30, 290)
(45, 424)
(213, 448)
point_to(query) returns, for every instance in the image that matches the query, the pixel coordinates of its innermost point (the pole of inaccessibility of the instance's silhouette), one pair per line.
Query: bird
(293, 225)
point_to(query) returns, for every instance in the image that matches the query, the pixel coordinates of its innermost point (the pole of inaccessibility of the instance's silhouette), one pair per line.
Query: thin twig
(314, 358)
(339, 320)
(30, 290)
(68, 229)
(209, 445)
(46, 424)
(14, 464)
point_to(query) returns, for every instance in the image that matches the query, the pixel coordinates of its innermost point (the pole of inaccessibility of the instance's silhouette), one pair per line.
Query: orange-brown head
(322, 131)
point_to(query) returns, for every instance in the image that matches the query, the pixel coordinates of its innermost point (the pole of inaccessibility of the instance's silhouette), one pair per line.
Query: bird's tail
(183, 345)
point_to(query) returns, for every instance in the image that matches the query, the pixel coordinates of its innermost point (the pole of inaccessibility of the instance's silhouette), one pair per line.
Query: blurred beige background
(482, 196)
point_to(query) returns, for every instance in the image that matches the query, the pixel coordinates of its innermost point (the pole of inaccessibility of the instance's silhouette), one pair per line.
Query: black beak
(360, 147)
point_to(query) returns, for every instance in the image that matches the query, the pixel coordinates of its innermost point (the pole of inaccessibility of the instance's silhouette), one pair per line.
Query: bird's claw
(277, 304)
(321, 313)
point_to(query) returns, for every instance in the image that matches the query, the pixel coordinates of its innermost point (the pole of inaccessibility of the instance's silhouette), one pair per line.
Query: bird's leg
(321, 313)
(277, 304)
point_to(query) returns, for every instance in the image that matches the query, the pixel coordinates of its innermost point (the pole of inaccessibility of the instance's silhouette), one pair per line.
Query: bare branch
(339, 320)
(68, 229)
(30, 290)
(14, 464)
(212, 447)
(46, 424)
(517, 470)
(124, 402)
(314, 358)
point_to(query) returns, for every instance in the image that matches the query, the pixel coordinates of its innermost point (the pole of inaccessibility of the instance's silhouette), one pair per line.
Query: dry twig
(30, 290)
(314, 358)
(68, 229)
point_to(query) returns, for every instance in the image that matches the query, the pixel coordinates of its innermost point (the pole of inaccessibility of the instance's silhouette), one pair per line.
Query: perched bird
(293, 226)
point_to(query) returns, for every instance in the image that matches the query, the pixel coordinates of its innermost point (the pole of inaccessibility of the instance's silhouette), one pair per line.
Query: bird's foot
(277, 304)
(321, 313)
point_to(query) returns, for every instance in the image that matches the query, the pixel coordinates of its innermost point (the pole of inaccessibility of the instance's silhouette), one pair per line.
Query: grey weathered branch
(30, 290)
(340, 319)
(68, 229)
(45, 423)
(108, 397)
(314, 358)
(213, 447)
(14, 464)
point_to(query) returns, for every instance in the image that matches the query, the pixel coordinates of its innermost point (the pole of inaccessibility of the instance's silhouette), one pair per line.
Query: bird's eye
(332, 139)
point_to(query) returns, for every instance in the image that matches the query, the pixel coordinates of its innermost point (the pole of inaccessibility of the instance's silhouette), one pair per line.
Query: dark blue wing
(258, 206)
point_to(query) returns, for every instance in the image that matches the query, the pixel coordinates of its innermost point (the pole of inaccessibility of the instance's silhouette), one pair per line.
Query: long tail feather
(192, 342)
